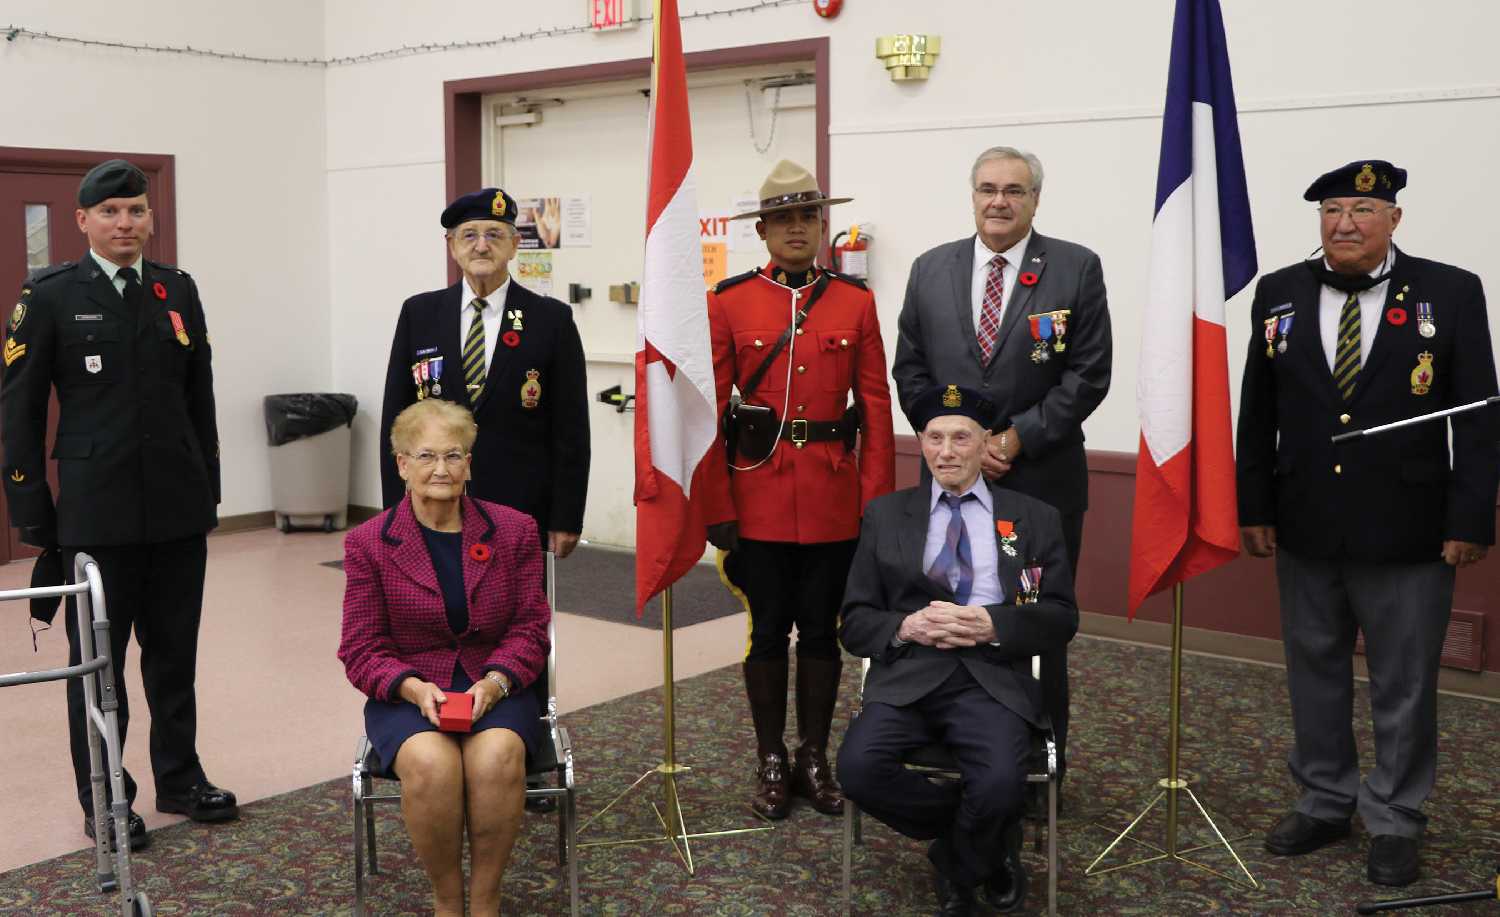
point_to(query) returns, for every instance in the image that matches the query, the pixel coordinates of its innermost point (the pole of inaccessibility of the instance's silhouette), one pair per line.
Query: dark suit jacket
(534, 459)
(1047, 402)
(887, 583)
(1392, 497)
(137, 445)
(395, 621)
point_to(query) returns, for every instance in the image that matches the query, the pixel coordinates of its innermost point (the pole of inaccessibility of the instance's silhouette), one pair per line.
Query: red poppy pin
(160, 291)
(1028, 279)
(511, 339)
(480, 552)
(1396, 315)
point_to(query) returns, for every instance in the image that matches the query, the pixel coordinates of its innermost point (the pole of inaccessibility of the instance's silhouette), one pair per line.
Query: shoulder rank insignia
(13, 351)
(728, 282)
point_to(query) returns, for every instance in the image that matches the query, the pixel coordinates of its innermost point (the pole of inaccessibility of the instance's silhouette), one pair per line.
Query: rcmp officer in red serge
(123, 340)
(514, 359)
(1366, 535)
(795, 341)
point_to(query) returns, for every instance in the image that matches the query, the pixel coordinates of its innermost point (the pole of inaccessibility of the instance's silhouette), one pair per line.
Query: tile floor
(275, 712)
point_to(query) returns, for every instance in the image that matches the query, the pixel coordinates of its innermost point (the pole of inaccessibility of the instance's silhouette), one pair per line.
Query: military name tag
(93, 363)
(89, 317)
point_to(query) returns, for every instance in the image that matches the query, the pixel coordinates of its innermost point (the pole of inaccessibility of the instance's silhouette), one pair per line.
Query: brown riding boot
(817, 692)
(765, 686)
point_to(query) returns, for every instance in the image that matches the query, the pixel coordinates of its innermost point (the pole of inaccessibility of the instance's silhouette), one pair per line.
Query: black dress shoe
(1393, 860)
(952, 900)
(139, 839)
(1005, 889)
(1297, 834)
(204, 802)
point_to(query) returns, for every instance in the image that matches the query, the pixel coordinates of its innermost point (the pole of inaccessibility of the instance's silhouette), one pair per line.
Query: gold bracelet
(500, 681)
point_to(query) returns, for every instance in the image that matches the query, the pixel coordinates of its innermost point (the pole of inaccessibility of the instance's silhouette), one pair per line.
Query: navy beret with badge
(1362, 178)
(112, 178)
(946, 400)
(488, 204)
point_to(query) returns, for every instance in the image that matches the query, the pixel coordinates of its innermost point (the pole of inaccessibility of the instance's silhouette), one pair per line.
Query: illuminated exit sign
(608, 15)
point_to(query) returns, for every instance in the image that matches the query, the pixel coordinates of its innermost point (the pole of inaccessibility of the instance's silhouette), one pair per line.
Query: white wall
(308, 198)
(251, 203)
(1079, 84)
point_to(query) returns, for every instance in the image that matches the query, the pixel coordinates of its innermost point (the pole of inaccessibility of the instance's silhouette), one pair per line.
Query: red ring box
(456, 714)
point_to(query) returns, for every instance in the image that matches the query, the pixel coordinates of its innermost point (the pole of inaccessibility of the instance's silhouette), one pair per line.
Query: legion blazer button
(1343, 418)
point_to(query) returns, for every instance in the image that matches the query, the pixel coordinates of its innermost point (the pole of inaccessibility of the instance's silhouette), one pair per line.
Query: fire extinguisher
(851, 251)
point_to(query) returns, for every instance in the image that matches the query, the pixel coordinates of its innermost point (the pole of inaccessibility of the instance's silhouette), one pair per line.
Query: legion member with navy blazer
(1366, 535)
(513, 358)
(955, 585)
(124, 342)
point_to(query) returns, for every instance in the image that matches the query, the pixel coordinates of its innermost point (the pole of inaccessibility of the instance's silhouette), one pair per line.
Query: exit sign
(608, 15)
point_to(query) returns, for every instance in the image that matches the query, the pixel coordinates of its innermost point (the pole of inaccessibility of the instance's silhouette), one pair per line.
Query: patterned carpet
(290, 854)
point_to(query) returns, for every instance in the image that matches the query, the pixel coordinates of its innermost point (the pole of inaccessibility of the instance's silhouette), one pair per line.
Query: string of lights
(14, 32)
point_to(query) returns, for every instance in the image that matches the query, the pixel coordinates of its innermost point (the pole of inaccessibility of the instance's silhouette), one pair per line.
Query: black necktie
(132, 291)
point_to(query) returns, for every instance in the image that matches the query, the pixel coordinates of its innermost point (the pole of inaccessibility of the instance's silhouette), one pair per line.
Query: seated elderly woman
(444, 595)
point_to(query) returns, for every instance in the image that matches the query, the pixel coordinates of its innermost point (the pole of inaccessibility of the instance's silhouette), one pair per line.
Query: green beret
(114, 178)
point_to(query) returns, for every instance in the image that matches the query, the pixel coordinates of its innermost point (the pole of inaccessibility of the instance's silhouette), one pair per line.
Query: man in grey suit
(955, 585)
(1022, 318)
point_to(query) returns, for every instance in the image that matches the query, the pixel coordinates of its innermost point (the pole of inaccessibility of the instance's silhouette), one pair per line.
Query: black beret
(951, 399)
(489, 204)
(114, 178)
(1363, 178)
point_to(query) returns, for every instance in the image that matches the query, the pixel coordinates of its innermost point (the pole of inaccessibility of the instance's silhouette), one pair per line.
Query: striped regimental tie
(1346, 356)
(955, 555)
(989, 308)
(474, 353)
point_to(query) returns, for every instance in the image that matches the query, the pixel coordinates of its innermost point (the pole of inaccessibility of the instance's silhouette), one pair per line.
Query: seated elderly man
(955, 586)
(444, 596)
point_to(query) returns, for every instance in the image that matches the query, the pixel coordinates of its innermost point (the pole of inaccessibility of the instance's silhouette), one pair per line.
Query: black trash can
(309, 437)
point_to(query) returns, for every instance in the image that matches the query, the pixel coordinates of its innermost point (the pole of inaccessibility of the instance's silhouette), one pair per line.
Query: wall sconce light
(908, 57)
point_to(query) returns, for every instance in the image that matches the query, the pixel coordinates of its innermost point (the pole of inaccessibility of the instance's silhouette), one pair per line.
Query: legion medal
(1283, 328)
(178, 327)
(1271, 336)
(436, 366)
(1007, 532)
(416, 376)
(1060, 328)
(531, 390)
(1421, 377)
(1041, 332)
(1426, 327)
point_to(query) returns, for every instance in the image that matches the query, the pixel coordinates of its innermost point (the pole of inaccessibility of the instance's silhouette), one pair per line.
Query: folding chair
(553, 760)
(101, 708)
(935, 761)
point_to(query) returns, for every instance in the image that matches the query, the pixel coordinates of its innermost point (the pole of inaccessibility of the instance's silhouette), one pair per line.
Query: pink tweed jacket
(394, 621)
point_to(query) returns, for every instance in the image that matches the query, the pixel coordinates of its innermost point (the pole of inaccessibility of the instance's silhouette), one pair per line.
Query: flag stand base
(1170, 787)
(669, 815)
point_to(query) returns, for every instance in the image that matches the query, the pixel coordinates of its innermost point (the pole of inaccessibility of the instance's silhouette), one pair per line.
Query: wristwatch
(500, 681)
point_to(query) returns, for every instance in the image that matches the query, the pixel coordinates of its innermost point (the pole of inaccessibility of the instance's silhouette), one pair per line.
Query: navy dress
(389, 724)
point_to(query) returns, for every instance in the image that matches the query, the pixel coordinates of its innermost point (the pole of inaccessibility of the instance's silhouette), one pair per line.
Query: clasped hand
(429, 697)
(948, 626)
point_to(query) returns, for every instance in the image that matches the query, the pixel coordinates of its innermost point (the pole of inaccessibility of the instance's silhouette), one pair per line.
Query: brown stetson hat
(789, 187)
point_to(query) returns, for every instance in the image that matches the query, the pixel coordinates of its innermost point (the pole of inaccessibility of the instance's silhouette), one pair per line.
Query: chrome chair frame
(1045, 756)
(560, 767)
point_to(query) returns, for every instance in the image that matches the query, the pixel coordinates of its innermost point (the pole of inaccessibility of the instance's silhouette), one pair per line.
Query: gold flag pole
(673, 822)
(1171, 785)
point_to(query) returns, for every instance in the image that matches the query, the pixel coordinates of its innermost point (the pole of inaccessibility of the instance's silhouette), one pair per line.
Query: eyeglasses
(427, 458)
(471, 237)
(1359, 213)
(1012, 193)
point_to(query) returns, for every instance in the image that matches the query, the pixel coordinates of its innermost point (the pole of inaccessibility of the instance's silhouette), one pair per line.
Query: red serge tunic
(815, 493)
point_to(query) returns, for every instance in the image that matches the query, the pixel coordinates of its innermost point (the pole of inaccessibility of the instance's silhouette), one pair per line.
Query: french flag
(1202, 253)
(675, 419)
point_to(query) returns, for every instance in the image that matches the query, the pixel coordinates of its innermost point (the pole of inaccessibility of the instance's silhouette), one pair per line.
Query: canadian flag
(1202, 253)
(675, 419)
